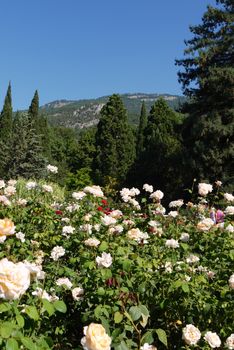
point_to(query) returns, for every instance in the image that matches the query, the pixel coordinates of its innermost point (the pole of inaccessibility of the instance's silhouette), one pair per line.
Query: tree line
(168, 149)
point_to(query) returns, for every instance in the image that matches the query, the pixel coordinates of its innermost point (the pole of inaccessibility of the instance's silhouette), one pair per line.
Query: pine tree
(141, 130)
(115, 146)
(33, 110)
(159, 162)
(5, 132)
(207, 77)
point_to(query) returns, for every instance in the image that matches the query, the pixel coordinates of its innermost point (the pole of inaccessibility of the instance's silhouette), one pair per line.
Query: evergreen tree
(33, 110)
(207, 77)
(141, 130)
(5, 132)
(115, 146)
(158, 164)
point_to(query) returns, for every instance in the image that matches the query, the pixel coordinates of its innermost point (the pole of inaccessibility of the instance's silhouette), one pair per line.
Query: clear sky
(73, 49)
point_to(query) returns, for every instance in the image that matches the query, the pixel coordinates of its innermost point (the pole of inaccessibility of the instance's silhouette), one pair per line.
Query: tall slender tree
(5, 132)
(207, 77)
(33, 110)
(115, 146)
(141, 130)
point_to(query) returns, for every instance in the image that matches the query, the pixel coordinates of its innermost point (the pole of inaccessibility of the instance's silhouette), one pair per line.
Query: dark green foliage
(159, 163)
(207, 76)
(5, 132)
(33, 110)
(115, 146)
(141, 130)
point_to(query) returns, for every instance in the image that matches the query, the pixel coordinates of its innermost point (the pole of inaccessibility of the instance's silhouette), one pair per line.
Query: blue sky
(73, 49)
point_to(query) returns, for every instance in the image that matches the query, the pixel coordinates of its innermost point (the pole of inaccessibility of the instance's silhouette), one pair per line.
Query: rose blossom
(9, 190)
(94, 190)
(77, 293)
(64, 282)
(229, 197)
(47, 188)
(172, 243)
(231, 281)
(212, 339)
(14, 279)
(176, 204)
(4, 200)
(52, 168)
(205, 224)
(191, 334)
(78, 195)
(148, 188)
(158, 195)
(105, 260)
(7, 227)
(57, 252)
(230, 342)
(92, 242)
(229, 210)
(204, 189)
(184, 237)
(30, 185)
(108, 220)
(146, 346)
(2, 184)
(95, 338)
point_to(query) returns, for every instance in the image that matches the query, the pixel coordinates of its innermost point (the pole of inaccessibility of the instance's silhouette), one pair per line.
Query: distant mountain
(82, 114)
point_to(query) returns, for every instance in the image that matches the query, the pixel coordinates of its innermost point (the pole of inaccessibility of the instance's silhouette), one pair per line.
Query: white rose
(96, 338)
(231, 281)
(47, 188)
(52, 168)
(94, 190)
(64, 282)
(57, 252)
(92, 242)
(230, 342)
(158, 195)
(176, 204)
(212, 339)
(191, 334)
(2, 184)
(105, 260)
(229, 197)
(30, 185)
(229, 210)
(146, 346)
(9, 190)
(205, 224)
(204, 189)
(148, 188)
(14, 279)
(77, 293)
(7, 227)
(108, 220)
(172, 243)
(78, 195)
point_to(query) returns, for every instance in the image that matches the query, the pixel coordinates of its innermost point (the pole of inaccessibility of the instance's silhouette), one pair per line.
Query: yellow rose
(7, 227)
(96, 338)
(14, 279)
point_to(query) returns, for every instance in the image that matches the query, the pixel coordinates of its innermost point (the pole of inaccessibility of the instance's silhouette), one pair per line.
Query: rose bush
(144, 280)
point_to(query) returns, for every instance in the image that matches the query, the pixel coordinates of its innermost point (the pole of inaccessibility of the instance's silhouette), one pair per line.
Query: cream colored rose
(14, 279)
(7, 227)
(191, 334)
(205, 224)
(96, 338)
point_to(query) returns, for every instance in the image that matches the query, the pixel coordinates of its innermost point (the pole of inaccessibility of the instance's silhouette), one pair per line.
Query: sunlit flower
(184, 237)
(92, 242)
(204, 189)
(173, 213)
(67, 230)
(95, 338)
(78, 195)
(172, 243)
(229, 210)
(205, 224)
(47, 188)
(212, 339)
(146, 346)
(57, 252)
(176, 204)
(105, 260)
(77, 293)
(231, 281)
(157, 195)
(9, 191)
(191, 334)
(229, 197)
(64, 282)
(148, 188)
(30, 185)
(94, 190)
(230, 228)
(5, 201)
(230, 342)
(20, 236)
(7, 228)
(52, 168)
(2, 184)
(14, 279)
(108, 220)
(192, 259)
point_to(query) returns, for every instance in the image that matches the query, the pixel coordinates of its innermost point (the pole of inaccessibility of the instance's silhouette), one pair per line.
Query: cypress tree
(141, 130)
(34, 106)
(115, 146)
(5, 132)
(207, 76)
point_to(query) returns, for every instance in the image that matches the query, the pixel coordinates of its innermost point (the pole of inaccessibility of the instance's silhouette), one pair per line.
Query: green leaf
(103, 246)
(162, 336)
(135, 312)
(20, 321)
(127, 265)
(49, 307)
(185, 287)
(5, 307)
(12, 344)
(118, 317)
(121, 346)
(60, 306)
(144, 310)
(31, 311)
(147, 338)
(6, 329)
(28, 343)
